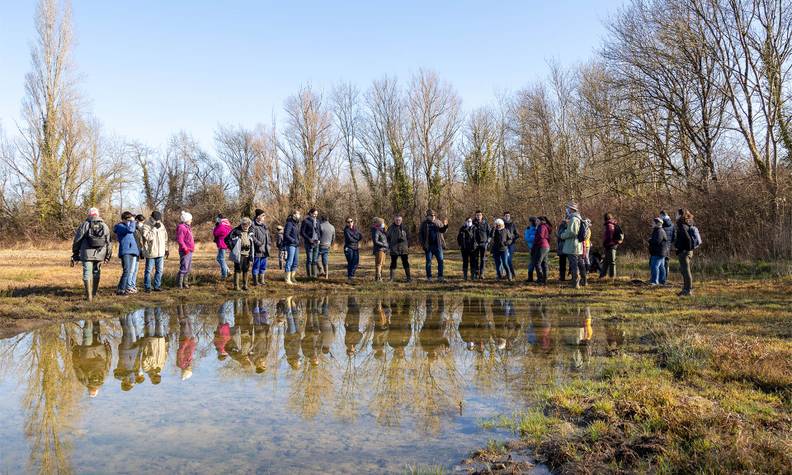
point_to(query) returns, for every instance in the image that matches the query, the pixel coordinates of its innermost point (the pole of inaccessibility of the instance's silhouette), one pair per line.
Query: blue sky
(150, 68)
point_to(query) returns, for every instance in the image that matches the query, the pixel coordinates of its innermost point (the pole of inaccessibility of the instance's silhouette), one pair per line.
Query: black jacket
(683, 243)
(658, 243)
(482, 232)
(398, 241)
(467, 238)
(512, 228)
(379, 240)
(291, 236)
(431, 234)
(501, 239)
(352, 238)
(309, 230)
(261, 238)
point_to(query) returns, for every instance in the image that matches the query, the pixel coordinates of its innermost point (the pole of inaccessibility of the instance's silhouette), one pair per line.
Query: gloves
(157, 225)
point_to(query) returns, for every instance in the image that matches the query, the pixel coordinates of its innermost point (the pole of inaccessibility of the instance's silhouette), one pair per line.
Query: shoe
(255, 280)
(236, 281)
(148, 291)
(186, 282)
(132, 290)
(288, 278)
(157, 289)
(244, 281)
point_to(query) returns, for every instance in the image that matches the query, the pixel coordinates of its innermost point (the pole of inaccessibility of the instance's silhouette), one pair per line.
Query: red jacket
(220, 232)
(184, 355)
(185, 238)
(542, 237)
(609, 235)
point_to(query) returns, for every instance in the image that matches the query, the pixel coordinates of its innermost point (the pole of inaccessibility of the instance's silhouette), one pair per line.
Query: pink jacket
(220, 232)
(184, 237)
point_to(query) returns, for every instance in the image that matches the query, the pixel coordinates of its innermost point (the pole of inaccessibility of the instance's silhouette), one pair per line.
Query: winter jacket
(291, 236)
(352, 238)
(154, 353)
(541, 238)
(559, 240)
(309, 231)
(220, 232)
(512, 228)
(609, 235)
(184, 238)
(482, 232)
(279, 241)
(682, 240)
(658, 243)
(668, 227)
(431, 234)
(572, 247)
(81, 247)
(261, 239)
(398, 242)
(234, 242)
(379, 240)
(466, 238)
(326, 234)
(529, 235)
(501, 240)
(155, 239)
(125, 234)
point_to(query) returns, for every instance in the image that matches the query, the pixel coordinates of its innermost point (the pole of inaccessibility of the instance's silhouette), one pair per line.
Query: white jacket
(155, 240)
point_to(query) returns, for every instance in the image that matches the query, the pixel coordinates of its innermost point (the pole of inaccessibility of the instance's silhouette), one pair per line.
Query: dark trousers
(562, 266)
(468, 262)
(353, 259)
(684, 269)
(479, 257)
(609, 266)
(405, 262)
(539, 263)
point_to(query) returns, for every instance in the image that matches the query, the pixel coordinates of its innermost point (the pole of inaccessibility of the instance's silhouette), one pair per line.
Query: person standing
(91, 246)
(573, 247)
(482, 234)
(529, 235)
(562, 258)
(184, 238)
(658, 252)
(466, 239)
(685, 243)
(501, 240)
(327, 235)
(155, 251)
(432, 241)
(512, 228)
(668, 227)
(309, 231)
(261, 239)
(291, 241)
(282, 252)
(610, 241)
(221, 230)
(399, 244)
(379, 244)
(541, 248)
(352, 238)
(242, 243)
(128, 252)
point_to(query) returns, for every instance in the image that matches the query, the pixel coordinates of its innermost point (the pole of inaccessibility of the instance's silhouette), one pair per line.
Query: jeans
(684, 268)
(657, 270)
(259, 265)
(438, 254)
(292, 258)
(353, 259)
(502, 263)
(539, 262)
(510, 258)
(92, 270)
(478, 261)
(129, 275)
(324, 258)
(185, 262)
(577, 263)
(221, 260)
(156, 263)
(609, 267)
(311, 258)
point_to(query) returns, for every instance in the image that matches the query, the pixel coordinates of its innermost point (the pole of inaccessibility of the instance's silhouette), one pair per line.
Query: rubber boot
(95, 287)
(180, 280)
(409, 277)
(244, 280)
(390, 278)
(87, 291)
(255, 280)
(186, 281)
(236, 281)
(261, 279)
(289, 278)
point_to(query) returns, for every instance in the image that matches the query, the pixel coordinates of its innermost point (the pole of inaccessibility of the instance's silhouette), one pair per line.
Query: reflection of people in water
(225, 320)
(582, 339)
(311, 336)
(291, 339)
(240, 342)
(614, 335)
(187, 344)
(91, 358)
(399, 326)
(128, 369)
(382, 316)
(155, 345)
(262, 333)
(326, 328)
(352, 335)
(433, 336)
(473, 326)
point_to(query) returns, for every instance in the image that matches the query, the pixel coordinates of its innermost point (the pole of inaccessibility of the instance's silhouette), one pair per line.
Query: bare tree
(346, 110)
(243, 153)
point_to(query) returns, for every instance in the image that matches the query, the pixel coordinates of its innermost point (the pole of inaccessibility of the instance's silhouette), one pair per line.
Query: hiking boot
(392, 272)
(255, 280)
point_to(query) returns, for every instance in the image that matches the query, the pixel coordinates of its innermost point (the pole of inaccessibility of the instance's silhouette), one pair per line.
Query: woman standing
(541, 248)
(658, 251)
(129, 253)
(501, 239)
(291, 239)
(241, 242)
(184, 237)
(685, 245)
(379, 242)
(220, 232)
(352, 238)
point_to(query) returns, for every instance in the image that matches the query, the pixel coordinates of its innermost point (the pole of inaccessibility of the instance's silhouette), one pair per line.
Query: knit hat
(185, 217)
(259, 212)
(93, 212)
(156, 216)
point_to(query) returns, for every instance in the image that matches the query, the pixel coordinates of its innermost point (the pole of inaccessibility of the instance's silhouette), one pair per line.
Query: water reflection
(428, 362)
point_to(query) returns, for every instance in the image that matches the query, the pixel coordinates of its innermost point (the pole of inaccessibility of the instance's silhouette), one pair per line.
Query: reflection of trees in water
(313, 383)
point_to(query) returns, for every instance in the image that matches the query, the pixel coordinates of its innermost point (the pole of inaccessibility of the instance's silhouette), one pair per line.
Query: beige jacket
(155, 240)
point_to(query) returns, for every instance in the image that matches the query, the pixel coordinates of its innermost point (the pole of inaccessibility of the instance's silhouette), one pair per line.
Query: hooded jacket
(125, 234)
(82, 250)
(658, 242)
(261, 239)
(379, 240)
(668, 227)
(541, 238)
(529, 235)
(155, 239)
(571, 244)
(501, 239)
(466, 238)
(398, 242)
(609, 235)
(184, 237)
(220, 232)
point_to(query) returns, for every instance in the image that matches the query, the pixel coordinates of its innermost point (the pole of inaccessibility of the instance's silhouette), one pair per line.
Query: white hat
(186, 217)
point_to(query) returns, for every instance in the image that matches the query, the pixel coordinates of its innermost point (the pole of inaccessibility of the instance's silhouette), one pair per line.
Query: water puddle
(331, 384)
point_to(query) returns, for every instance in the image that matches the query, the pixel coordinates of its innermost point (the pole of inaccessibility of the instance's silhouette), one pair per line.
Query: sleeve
(79, 234)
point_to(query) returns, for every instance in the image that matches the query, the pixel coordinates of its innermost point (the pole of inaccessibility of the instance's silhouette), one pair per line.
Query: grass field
(705, 386)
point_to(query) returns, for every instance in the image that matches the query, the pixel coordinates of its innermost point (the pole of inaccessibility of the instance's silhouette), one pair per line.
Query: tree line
(687, 103)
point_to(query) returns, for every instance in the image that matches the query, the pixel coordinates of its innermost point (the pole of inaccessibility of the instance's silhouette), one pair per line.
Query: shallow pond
(337, 384)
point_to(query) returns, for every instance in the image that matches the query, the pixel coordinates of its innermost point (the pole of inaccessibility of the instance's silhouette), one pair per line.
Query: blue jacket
(291, 235)
(125, 234)
(529, 235)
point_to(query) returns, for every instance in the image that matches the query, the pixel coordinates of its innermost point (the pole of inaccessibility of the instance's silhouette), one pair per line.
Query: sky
(150, 68)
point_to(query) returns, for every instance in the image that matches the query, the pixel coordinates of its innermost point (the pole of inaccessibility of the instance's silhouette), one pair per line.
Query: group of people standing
(249, 246)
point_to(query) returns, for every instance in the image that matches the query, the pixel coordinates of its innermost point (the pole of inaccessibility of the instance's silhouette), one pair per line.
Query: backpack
(582, 230)
(96, 237)
(618, 234)
(695, 237)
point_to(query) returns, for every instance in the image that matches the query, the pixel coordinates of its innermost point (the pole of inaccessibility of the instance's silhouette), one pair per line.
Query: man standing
(432, 241)
(398, 244)
(128, 252)
(291, 241)
(610, 241)
(309, 231)
(326, 239)
(91, 246)
(261, 241)
(482, 234)
(512, 228)
(155, 250)
(573, 248)
(466, 239)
